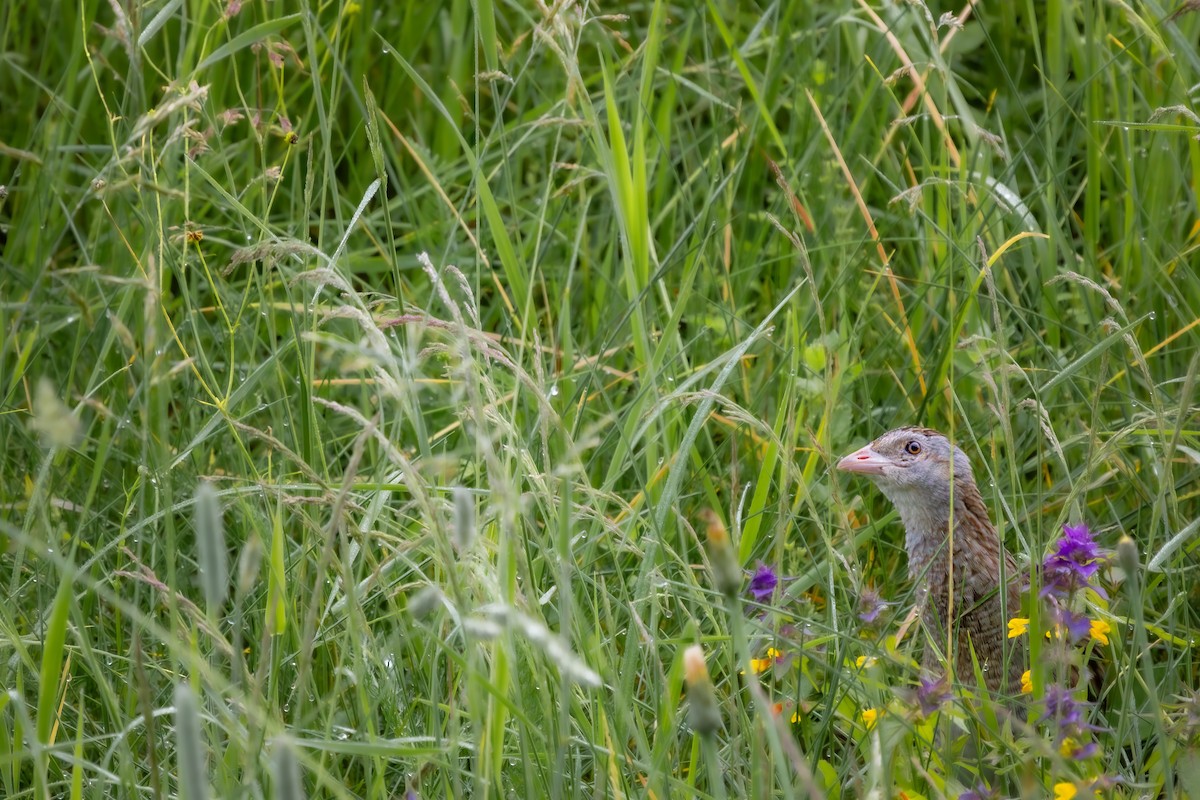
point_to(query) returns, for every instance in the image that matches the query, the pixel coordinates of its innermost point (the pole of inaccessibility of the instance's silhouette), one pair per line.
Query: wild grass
(380, 383)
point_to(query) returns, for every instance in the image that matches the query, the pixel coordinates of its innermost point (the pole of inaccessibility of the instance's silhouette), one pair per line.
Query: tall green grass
(374, 375)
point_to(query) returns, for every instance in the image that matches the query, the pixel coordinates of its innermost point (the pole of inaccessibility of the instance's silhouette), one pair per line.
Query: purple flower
(932, 694)
(763, 583)
(1074, 626)
(1061, 707)
(981, 792)
(1067, 713)
(870, 605)
(1072, 749)
(1073, 563)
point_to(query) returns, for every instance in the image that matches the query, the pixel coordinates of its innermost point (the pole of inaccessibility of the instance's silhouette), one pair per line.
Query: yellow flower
(763, 664)
(1026, 682)
(1064, 791)
(864, 661)
(1068, 747)
(870, 716)
(1100, 630)
(1017, 626)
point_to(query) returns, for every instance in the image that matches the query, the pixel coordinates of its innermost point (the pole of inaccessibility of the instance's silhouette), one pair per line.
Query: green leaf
(52, 658)
(277, 580)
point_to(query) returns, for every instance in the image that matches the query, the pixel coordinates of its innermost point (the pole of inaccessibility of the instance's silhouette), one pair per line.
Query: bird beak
(864, 461)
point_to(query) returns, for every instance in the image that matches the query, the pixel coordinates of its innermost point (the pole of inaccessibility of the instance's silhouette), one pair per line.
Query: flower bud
(727, 576)
(425, 601)
(703, 714)
(694, 668)
(464, 518)
(1127, 555)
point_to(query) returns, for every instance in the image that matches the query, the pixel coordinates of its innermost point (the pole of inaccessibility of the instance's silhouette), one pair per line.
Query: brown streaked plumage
(913, 469)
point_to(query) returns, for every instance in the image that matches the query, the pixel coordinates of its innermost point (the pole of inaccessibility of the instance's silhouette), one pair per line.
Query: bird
(929, 481)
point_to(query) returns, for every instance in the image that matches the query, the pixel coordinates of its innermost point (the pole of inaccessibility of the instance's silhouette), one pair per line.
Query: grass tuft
(410, 386)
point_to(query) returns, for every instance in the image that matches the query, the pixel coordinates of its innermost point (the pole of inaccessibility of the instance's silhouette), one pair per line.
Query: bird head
(914, 468)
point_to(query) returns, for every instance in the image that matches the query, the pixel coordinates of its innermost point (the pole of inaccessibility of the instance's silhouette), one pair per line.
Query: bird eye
(912, 448)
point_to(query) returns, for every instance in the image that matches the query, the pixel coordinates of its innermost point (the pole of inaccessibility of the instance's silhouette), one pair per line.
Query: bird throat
(925, 540)
(927, 520)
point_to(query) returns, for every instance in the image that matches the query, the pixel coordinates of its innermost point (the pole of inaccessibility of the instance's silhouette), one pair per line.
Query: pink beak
(864, 461)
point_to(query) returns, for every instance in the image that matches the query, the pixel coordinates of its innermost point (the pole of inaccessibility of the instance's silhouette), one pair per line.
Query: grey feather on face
(928, 469)
(913, 467)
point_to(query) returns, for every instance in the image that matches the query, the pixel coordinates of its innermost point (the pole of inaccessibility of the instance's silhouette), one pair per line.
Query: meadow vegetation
(391, 394)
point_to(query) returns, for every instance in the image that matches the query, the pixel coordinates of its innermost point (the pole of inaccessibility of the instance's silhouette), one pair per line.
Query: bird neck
(927, 519)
